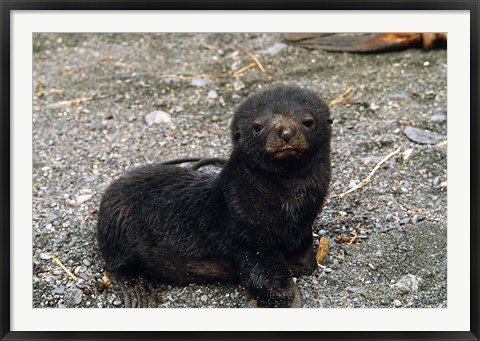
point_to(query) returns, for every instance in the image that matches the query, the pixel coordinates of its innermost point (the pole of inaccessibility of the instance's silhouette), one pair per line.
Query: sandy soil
(92, 98)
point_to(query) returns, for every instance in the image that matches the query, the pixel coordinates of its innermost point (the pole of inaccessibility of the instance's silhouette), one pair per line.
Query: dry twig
(349, 93)
(243, 69)
(255, 59)
(187, 78)
(369, 177)
(78, 101)
(55, 259)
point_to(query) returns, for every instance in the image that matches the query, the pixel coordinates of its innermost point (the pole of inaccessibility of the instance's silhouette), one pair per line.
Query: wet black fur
(252, 223)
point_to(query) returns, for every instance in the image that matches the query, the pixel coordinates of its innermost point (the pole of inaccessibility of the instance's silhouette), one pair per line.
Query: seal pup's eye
(308, 123)
(257, 127)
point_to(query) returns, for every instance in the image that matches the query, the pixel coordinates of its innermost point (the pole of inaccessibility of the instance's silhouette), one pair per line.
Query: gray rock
(404, 221)
(59, 290)
(204, 298)
(422, 136)
(73, 296)
(86, 262)
(397, 303)
(408, 284)
(117, 303)
(322, 233)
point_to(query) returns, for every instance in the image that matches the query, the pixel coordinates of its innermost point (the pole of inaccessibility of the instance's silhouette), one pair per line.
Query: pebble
(73, 296)
(212, 94)
(199, 82)
(353, 183)
(426, 273)
(78, 269)
(45, 256)
(170, 80)
(415, 219)
(322, 276)
(273, 50)
(294, 279)
(404, 221)
(81, 284)
(59, 290)
(322, 233)
(422, 136)
(439, 117)
(327, 270)
(397, 303)
(408, 284)
(355, 290)
(157, 117)
(86, 262)
(117, 303)
(204, 298)
(51, 218)
(238, 85)
(407, 153)
(82, 198)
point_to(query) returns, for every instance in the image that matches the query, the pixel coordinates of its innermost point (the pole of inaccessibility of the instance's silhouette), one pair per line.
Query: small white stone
(156, 117)
(407, 153)
(212, 94)
(82, 198)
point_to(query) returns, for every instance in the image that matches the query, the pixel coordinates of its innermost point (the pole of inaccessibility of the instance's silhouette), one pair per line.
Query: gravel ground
(105, 103)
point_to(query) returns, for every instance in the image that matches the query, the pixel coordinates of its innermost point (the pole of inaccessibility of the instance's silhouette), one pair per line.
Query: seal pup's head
(282, 128)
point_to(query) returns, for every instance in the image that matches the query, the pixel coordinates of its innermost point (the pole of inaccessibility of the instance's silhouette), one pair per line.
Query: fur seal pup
(251, 223)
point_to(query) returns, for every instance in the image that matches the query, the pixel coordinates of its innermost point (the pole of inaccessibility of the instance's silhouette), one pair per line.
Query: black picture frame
(7, 6)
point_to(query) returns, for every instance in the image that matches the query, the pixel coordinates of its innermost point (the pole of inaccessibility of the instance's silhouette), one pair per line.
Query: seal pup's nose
(286, 133)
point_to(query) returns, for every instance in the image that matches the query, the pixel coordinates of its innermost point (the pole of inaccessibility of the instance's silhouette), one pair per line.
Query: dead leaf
(105, 285)
(322, 251)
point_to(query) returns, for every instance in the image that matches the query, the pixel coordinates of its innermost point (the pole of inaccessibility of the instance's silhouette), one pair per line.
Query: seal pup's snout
(286, 132)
